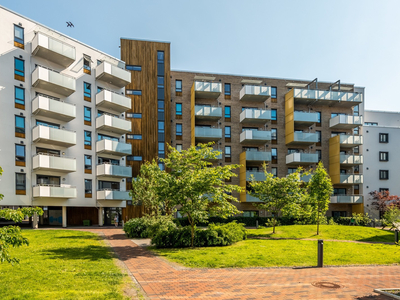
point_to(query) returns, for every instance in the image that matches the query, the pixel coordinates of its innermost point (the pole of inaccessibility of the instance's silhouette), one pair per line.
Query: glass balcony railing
(54, 191)
(113, 195)
(204, 89)
(113, 148)
(54, 163)
(345, 122)
(305, 137)
(113, 74)
(258, 175)
(255, 93)
(207, 133)
(302, 158)
(114, 171)
(336, 96)
(347, 199)
(351, 159)
(255, 116)
(113, 124)
(351, 179)
(305, 117)
(53, 81)
(207, 112)
(114, 101)
(52, 49)
(47, 107)
(258, 156)
(350, 140)
(53, 136)
(255, 136)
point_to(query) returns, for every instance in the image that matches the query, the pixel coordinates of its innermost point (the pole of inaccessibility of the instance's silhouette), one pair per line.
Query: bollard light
(320, 253)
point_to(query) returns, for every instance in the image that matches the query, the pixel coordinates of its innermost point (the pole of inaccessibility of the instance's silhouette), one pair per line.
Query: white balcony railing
(351, 140)
(255, 93)
(113, 124)
(113, 195)
(52, 81)
(207, 133)
(204, 89)
(54, 191)
(351, 178)
(258, 156)
(255, 116)
(301, 158)
(55, 136)
(351, 159)
(328, 95)
(305, 117)
(207, 112)
(47, 107)
(305, 137)
(348, 199)
(114, 101)
(113, 171)
(113, 148)
(113, 74)
(255, 136)
(54, 163)
(345, 122)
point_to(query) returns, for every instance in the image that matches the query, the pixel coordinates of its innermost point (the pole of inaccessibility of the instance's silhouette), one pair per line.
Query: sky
(355, 41)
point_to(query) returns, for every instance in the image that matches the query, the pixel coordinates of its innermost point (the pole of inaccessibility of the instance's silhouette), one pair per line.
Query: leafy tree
(381, 201)
(11, 236)
(196, 188)
(277, 193)
(320, 190)
(392, 216)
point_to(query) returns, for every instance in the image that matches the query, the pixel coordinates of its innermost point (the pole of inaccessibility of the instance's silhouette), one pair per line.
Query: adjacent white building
(62, 126)
(381, 160)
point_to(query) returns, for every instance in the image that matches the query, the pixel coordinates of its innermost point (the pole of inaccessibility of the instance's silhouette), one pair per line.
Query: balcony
(206, 134)
(350, 141)
(114, 101)
(218, 157)
(113, 195)
(54, 191)
(113, 172)
(250, 198)
(52, 81)
(113, 124)
(345, 122)
(351, 160)
(51, 108)
(347, 199)
(115, 75)
(258, 156)
(304, 138)
(350, 179)
(255, 93)
(255, 116)
(211, 113)
(305, 178)
(52, 49)
(346, 99)
(301, 158)
(257, 175)
(53, 136)
(305, 119)
(206, 90)
(255, 137)
(115, 148)
(54, 163)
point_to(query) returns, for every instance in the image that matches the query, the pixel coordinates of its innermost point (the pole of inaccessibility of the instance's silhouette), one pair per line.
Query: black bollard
(320, 253)
(396, 236)
(257, 224)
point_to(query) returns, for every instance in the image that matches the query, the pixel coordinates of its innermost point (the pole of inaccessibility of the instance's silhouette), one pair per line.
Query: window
(19, 69)
(87, 115)
(88, 188)
(133, 68)
(99, 89)
(86, 64)
(178, 86)
(227, 131)
(319, 155)
(160, 56)
(274, 155)
(106, 137)
(339, 191)
(47, 124)
(371, 123)
(20, 125)
(88, 138)
(250, 214)
(88, 164)
(134, 92)
(384, 174)
(18, 36)
(178, 108)
(134, 115)
(87, 91)
(161, 150)
(319, 137)
(274, 116)
(356, 150)
(273, 92)
(383, 190)
(137, 136)
(227, 112)
(160, 81)
(355, 111)
(291, 170)
(274, 171)
(20, 182)
(356, 131)
(383, 156)
(227, 89)
(179, 129)
(134, 158)
(384, 138)
(227, 151)
(274, 134)
(160, 126)
(318, 118)
(19, 95)
(179, 147)
(20, 155)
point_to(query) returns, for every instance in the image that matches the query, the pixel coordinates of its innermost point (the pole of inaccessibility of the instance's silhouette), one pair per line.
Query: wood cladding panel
(76, 215)
(144, 54)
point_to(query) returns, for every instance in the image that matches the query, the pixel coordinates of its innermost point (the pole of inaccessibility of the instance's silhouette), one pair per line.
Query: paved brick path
(162, 281)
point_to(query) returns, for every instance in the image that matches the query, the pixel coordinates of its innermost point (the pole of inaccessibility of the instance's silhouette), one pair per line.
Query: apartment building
(381, 138)
(283, 122)
(63, 145)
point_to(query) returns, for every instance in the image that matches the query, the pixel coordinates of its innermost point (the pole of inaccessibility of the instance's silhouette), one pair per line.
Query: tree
(392, 216)
(381, 201)
(277, 193)
(197, 187)
(11, 236)
(320, 190)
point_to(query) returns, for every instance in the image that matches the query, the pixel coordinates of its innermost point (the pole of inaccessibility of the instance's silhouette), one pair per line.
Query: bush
(361, 219)
(213, 235)
(148, 227)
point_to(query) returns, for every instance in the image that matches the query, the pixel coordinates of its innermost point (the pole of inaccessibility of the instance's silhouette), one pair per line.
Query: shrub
(361, 219)
(213, 235)
(148, 227)
(392, 217)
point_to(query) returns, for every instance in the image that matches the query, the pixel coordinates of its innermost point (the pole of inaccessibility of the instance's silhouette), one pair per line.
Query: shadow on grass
(79, 253)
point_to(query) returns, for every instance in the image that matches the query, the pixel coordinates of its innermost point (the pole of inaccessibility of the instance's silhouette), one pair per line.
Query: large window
(20, 124)
(227, 112)
(18, 36)
(178, 86)
(87, 91)
(87, 115)
(179, 129)
(20, 156)
(20, 182)
(88, 138)
(19, 95)
(384, 138)
(178, 108)
(383, 156)
(383, 174)
(19, 69)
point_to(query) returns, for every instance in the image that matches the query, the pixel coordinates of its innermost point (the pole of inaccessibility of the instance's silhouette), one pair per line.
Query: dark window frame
(20, 187)
(20, 129)
(274, 88)
(178, 112)
(133, 68)
(22, 101)
(383, 138)
(18, 72)
(383, 174)
(87, 142)
(227, 114)
(383, 155)
(228, 91)
(179, 125)
(178, 89)
(87, 87)
(85, 117)
(19, 157)
(17, 39)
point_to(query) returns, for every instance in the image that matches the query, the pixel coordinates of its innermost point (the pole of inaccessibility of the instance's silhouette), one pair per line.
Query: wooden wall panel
(76, 215)
(242, 176)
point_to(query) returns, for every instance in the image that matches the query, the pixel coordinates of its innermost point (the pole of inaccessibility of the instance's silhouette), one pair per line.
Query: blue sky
(355, 41)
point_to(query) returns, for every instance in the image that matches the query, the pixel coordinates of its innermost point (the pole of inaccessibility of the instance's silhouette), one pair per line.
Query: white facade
(376, 124)
(54, 67)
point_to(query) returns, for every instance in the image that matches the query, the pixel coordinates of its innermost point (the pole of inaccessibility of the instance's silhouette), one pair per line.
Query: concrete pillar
(35, 221)
(101, 210)
(64, 216)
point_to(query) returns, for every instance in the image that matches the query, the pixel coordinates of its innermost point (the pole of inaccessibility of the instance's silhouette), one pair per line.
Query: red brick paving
(162, 281)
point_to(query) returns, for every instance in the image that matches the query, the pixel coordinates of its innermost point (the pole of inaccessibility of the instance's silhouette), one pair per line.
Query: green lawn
(62, 264)
(282, 253)
(330, 232)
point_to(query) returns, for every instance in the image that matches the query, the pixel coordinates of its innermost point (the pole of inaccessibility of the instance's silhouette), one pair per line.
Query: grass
(62, 264)
(282, 253)
(287, 252)
(329, 232)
